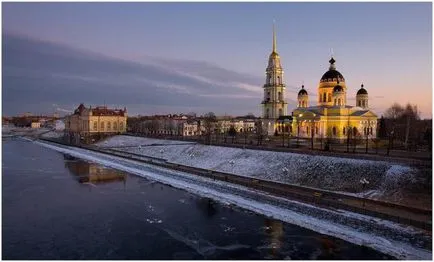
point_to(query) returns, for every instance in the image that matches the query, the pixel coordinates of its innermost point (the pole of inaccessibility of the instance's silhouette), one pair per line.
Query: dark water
(59, 207)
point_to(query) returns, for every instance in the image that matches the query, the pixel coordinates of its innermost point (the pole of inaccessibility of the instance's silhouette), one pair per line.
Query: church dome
(302, 91)
(332, 74)
(362, 91)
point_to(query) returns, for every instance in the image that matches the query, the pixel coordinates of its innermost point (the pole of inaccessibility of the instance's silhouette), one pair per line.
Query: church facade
(331, 117)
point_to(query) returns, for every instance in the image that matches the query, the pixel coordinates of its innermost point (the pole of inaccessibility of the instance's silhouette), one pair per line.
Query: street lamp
(364, 182)
(298, 129)
(285, 125)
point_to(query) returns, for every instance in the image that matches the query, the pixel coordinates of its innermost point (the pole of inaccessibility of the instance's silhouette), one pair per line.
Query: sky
(387, 46)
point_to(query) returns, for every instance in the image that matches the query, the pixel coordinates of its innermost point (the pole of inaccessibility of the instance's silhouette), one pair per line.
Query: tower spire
(274, 37)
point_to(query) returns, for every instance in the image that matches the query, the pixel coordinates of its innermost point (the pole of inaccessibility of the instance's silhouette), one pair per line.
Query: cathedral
(331, 117)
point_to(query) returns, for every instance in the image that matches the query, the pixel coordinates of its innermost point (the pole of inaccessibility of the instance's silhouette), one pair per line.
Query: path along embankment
(421, 218)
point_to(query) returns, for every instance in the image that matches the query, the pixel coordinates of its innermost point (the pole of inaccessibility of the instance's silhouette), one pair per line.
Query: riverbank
(388, 181)
(58, 207)
(400, 241)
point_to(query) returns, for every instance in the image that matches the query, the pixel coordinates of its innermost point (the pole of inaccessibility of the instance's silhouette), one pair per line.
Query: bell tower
(274, 103)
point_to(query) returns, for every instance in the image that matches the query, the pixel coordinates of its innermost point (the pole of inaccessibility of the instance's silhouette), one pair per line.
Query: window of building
(324, 97)
(354, 131)
(109, 125)
(334, 131)
(278, 80)
(121, 126)
(339, 101)
(280, 112)
(115, 126)
(280, 96)
(330, 98)
(307, 130)
(102, 126)
(343, 130)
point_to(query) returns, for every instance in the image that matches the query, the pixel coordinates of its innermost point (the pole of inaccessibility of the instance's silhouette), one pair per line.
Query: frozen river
(58, 207)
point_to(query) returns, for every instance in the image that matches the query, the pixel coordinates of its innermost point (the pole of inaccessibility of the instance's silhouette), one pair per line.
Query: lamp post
(364, 182)
(390, 142)
(285, 125)
(298, 129)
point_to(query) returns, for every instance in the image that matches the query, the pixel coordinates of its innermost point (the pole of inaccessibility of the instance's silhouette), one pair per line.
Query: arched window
(334, 131)
(109, 125)
(354, 131)
(278, 80)
(324, 97)
(102, 126)
(330, 98)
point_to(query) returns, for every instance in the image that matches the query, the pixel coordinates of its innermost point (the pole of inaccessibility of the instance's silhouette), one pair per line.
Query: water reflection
(207, 206)
(86, 172)
(274, 230)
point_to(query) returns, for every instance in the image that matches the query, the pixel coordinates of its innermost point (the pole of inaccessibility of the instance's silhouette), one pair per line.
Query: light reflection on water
(101, 213)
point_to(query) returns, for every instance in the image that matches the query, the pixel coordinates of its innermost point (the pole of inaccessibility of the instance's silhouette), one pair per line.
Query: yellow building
(86, 123)
(332, 117)
(274, 104)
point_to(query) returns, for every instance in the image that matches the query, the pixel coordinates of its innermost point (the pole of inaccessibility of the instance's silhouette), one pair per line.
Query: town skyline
(197, 76)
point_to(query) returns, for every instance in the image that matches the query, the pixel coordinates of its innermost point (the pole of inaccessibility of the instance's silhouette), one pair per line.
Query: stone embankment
(402, 214)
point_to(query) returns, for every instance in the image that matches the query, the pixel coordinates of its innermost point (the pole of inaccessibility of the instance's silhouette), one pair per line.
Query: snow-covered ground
(59, 125)
(127, 141)
(403, 242)
(23, 131)
(330, 173)
(53, 134)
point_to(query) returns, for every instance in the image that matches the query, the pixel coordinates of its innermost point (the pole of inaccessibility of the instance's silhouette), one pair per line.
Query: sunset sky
(387, 46)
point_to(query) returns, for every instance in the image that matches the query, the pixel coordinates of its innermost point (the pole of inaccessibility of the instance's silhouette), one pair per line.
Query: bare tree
(402, 118)
(209, 120)
(260, 131)
(232, 133)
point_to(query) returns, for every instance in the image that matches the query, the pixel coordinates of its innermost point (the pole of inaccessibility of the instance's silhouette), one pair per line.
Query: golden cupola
(327, 83)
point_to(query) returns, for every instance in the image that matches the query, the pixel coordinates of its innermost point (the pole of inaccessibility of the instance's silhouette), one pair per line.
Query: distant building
(94, 123)
(35, 125)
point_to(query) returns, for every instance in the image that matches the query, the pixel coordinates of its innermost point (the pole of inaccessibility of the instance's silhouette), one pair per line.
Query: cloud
(40, 76)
